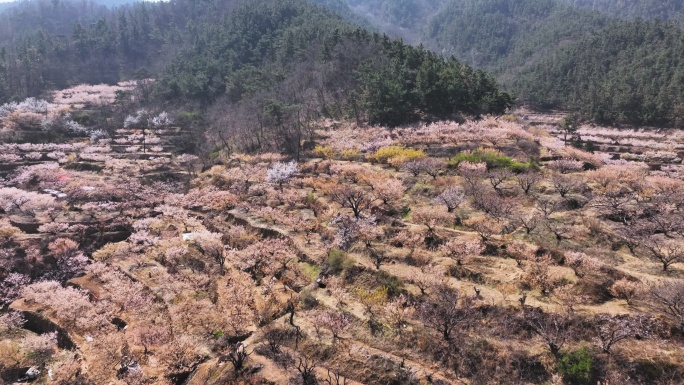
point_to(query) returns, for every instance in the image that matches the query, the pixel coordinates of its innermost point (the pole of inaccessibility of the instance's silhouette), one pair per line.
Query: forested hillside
(56, 18)
(114, 3)
(505, 35)
(650, 9)
(630, 72)
(554, 55)
(402, 18)
(557, 56)
(47, 45)
(550, 53)
(585, 56)
(298, 62)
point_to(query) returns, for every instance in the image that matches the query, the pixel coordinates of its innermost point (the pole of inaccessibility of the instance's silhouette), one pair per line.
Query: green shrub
(405, 212)
(310, 198)
(312, 271)
(189, 118)
(575, 367)
(338, 261)
(492, 158)
(307, 300)
(391, 283)
(82, 118)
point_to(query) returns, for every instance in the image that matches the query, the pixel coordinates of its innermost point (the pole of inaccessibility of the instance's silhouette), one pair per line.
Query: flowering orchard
(426, 254)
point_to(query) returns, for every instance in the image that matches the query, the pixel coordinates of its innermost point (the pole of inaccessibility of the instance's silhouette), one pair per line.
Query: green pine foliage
(265, 45)
(418, 84)
(648, 9)
(235, 51)
(577, 55)
(588, 56)
(507, 35)
(631, 72)
(576, 367)
(568, 55)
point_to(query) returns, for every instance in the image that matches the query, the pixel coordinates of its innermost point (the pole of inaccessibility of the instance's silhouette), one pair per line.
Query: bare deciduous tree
(335, 322)
(211, 245)
(667, 252)
(430, 166)
(431, 217)
(529, 220)
(615, 204)
(627, 289)
(612, 329)
(528, 181)
(443, 312)
(494, 205)
(564, 184)
(559, 229)
(306, 367)
(546, 206)
(151, 334)
(668, 298)
(351, 197)
(388, 189)
(460, 249)
(427, 277)
(335, 379)
(238, 356)
(554, 328)
(276, 337)
(472, 174)
(581, 263)
(451, 197)
(497, 178)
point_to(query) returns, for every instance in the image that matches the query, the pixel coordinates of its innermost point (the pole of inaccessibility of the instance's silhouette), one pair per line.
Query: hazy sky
(9, 1)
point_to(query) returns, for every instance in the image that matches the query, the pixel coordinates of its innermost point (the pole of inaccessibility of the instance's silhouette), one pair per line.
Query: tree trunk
(555, 350)
(356, 212)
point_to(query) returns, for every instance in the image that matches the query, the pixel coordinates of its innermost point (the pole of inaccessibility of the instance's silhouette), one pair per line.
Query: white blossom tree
(281, 172)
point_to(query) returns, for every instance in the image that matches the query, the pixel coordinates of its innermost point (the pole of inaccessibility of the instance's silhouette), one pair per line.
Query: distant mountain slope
(535, 48)
(294, 54)
(631, 72)
(406, 19)
(583, 55)
(282, 55)
(504, 34)
(649, 9)
(58, 18)
(46, 44)
(114, 3)
(109, 3)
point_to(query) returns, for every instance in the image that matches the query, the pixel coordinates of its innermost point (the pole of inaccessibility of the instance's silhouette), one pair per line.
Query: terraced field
(482, 252)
